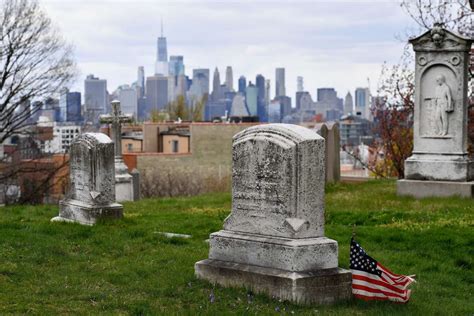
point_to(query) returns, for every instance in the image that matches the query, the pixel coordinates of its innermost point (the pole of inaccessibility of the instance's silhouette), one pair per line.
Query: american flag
(372, 281)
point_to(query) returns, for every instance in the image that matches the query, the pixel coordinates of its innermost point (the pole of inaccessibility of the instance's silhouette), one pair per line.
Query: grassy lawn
(125, 267)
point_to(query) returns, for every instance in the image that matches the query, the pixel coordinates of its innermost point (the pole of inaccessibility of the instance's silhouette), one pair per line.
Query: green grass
(125, 267)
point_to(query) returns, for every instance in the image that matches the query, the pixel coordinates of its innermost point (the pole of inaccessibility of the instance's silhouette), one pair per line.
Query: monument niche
(91, 195)
(440, 164)
(273, 241)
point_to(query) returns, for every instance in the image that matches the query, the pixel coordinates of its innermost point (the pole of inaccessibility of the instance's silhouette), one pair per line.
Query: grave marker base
(326, 286)
(422, 189)
(79, 212)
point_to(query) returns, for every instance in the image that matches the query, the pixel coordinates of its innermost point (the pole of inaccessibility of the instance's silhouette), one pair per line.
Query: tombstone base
(325, 286)
(79, 212)
(289, 254)
(439, 167)
(422, 189)
(123, 187)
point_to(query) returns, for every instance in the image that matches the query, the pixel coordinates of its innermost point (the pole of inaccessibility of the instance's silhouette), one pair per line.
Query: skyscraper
(216, 85)
(362, 102)
(299, 84)
(176, 66)
(69, 106)
(161, 67)
(348, 104)
(141, 81)
(326, 94)
(128, 100)
(280, 89)
(267, 92)
(200, 85)
(156, 92)
(95, 98)
(62, 113)
(274, 112)
(260, 83)
(74, 107)
(251, 97)
(162, 50)
(298, 96)
(261, 106)
(229, 78)
(242, 84)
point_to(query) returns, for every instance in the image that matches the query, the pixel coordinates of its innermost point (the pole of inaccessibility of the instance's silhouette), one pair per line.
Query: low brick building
(200, 145)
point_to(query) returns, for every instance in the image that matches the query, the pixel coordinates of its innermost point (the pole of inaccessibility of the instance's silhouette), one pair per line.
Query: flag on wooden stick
(372, 281)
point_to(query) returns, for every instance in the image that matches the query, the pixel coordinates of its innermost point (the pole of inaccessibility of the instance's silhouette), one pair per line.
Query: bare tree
(456, 15)
(35, 63)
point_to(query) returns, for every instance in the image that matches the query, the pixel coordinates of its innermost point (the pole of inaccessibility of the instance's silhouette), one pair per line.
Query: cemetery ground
(127, 267)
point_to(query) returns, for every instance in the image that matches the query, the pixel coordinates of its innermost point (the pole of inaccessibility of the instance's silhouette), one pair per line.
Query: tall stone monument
(273, 241)
(123, 180)
(440, 164)
(91, 194)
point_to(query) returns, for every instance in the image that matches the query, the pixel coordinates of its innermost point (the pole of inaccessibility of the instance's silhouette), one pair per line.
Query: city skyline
(313, 41)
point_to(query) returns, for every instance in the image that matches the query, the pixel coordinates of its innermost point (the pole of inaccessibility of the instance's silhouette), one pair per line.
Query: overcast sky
(330, 43)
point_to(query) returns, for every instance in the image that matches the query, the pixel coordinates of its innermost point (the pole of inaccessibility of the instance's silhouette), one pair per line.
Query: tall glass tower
(280, 82)
(161, 65)
(242, 84)
(162, 52)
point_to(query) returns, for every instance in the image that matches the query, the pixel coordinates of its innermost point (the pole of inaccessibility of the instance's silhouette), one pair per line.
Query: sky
(338, 44)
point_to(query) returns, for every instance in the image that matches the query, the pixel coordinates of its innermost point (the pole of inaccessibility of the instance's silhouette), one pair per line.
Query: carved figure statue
(444, 105)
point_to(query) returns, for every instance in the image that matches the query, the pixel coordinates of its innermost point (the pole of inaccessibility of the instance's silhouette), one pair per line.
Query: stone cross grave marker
(91, 195)
(273, 240)
(123, 180)
(440, 164)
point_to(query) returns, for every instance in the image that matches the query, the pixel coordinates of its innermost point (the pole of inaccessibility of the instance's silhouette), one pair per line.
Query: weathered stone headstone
(330, 133)
(136, 184)
(440, 164)
(91, 194)
(123, 180)
(273, 241)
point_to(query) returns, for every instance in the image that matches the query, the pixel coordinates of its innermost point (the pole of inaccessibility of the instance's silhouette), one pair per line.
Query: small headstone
(440, 164)
(91, 194)
(136, 184)
(273, 241)
(330, 133)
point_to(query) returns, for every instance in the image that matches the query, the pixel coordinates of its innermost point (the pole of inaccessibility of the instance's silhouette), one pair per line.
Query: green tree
(197, 110)
(157, 116)
(178, 109)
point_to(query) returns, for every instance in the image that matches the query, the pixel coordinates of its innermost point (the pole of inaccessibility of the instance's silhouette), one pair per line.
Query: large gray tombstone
(91, 194)
(440, 164)
(273, 241)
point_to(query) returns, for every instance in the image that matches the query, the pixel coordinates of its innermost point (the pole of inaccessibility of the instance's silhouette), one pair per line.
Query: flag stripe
(379, 291)
(378, 283)
(378, 278)
(357, 284)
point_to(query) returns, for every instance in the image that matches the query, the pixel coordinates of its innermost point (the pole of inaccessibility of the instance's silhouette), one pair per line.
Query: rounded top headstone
(278, 182)
(285, 134)
(96, 138)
